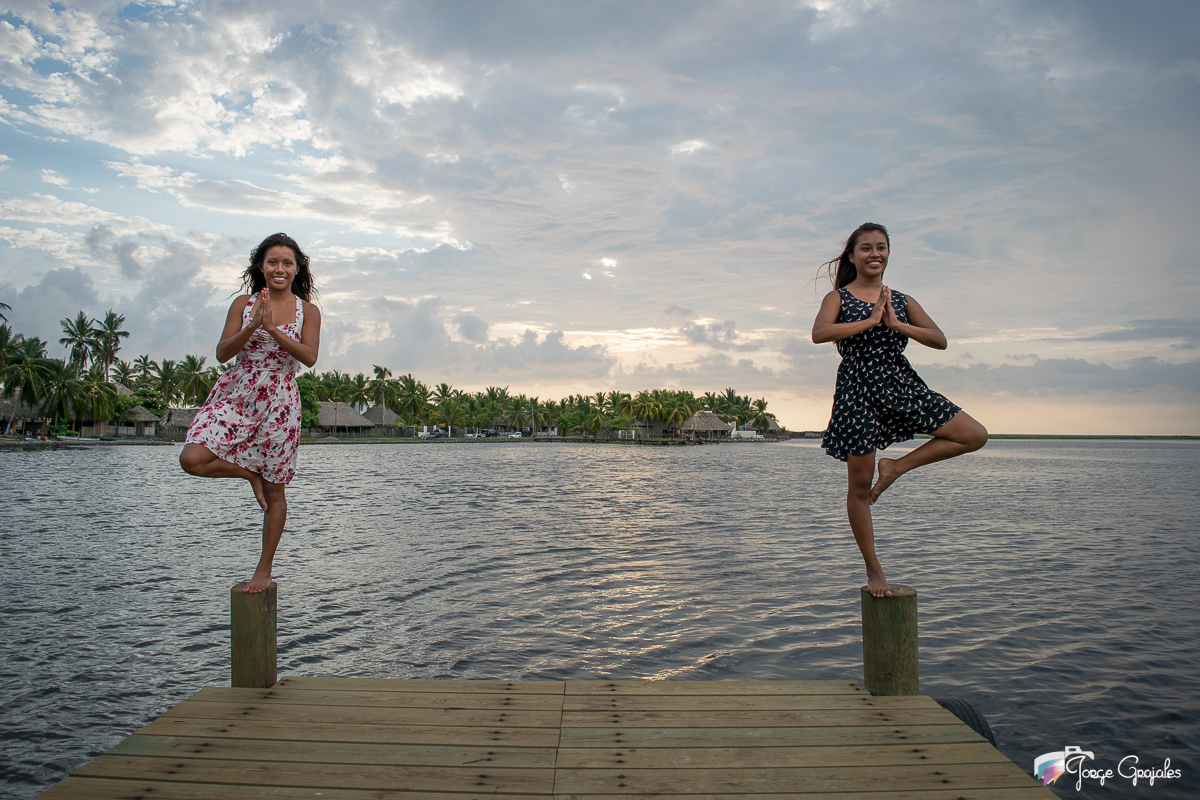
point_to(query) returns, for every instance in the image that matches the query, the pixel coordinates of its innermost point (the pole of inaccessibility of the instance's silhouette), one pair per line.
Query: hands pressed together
(884, 311)
(262, 316)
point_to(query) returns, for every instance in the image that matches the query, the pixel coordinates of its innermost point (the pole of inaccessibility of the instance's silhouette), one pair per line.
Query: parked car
(438, 433)
(516, 435)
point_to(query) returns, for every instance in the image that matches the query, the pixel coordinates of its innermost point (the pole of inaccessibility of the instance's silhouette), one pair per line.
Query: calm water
(1058, 582)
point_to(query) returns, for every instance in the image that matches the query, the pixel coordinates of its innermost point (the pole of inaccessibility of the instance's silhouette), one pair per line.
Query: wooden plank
(700, 758)
(363, 714)
(333, 752)
(446, 699)
(768, 737)
(483, 780)
(354, 739)
(1034, 793)
(740, 688)
(421, 685)
(816, 780)
(742, 703)
(754, 719)
(242, 728)
(76, 788)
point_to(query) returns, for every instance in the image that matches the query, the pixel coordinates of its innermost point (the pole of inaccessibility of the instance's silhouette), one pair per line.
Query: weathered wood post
(889, 633)
(252, 625)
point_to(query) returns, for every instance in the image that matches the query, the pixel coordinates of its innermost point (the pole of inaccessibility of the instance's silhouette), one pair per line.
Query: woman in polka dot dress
(249, 427)
(880, 399)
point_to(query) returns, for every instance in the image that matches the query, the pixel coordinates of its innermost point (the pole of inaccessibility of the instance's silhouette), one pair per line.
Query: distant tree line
(416, 403)
(82, 386)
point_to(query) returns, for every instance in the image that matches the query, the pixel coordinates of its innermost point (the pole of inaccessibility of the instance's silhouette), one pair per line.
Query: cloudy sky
(574, 197)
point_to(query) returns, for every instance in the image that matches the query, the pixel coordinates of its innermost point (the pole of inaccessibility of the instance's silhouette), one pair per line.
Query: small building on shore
(385, 422)
(339, 419)
(706, 425)
(138, 422)
(18, 414)
(176, 421)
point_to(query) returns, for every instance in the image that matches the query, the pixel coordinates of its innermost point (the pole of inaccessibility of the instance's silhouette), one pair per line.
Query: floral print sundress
(879, 399)
(252, 414)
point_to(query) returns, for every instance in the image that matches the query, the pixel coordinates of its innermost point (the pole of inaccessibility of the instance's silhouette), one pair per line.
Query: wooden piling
(889, 634)
(252, 619)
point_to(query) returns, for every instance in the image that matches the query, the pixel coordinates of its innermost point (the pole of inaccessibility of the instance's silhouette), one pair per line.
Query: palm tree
(79, 339)
(166, 378)
(192, 380)
(762, 419)
(595, 419)
(359, 394)
(413, 396)
(536, 415)
(63, 393)
(645, 407)
(145, 368)
(6, 307)
(674, 411)
(98, 395)
(383, 390)
(107, 339)
(9, 345)
(25, 375)
(451, 412)
(122, 373)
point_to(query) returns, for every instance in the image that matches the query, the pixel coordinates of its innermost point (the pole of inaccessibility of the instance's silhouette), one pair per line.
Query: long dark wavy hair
(254, 280)
(841, 270)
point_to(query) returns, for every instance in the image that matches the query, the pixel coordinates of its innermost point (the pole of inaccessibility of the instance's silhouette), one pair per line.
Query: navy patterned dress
(879, 399)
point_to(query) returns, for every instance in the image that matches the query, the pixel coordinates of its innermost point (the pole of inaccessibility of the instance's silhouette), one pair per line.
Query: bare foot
(259, 582)
(256, 483)
(877, 585)
(887, 474)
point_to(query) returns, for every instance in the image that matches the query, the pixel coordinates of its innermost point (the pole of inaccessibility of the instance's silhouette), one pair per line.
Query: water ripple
(1056, 581)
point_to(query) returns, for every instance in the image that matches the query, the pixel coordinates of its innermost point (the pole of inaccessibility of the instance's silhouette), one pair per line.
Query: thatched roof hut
(771, 426)
(347, 417)
(123, 390)
(379, 414)
(140, 414)
(705, 422)
(179, 417)
(23, 411)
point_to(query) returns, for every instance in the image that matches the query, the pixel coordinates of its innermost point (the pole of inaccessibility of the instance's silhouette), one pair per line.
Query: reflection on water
(1057, 580)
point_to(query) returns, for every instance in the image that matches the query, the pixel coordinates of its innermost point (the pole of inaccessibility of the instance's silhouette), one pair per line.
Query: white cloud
(687, 148)
(54, 178)
(1017, 154)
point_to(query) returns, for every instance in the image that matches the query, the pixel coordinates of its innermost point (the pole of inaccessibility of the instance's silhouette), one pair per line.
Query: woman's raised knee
(191, 461)
(977, 437)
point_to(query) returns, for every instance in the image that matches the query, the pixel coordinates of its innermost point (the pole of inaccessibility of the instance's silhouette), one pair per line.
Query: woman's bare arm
(826, 328)
(920, 328)
(234, 337)
(305, 350)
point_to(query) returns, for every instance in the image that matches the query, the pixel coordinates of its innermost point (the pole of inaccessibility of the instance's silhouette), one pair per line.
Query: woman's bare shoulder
(239, 303)
(311, 310)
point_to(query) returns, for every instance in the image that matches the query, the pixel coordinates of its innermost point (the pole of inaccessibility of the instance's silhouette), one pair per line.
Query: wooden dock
(354, 739)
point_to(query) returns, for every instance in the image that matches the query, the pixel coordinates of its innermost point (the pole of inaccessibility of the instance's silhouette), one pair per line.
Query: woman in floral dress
(249, 427)
(880, 399)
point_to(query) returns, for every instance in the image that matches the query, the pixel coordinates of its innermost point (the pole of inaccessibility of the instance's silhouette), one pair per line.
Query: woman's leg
(196, 459)
(958, 436)
(273, 519)
(861, 470)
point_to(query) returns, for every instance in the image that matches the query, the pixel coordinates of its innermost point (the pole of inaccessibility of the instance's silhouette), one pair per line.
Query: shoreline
(77, 444)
